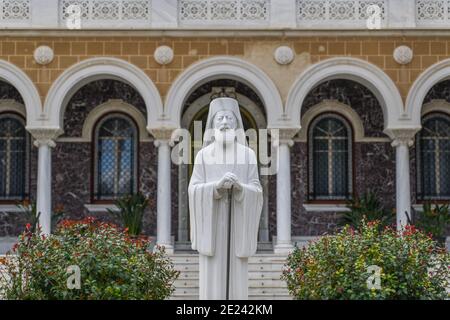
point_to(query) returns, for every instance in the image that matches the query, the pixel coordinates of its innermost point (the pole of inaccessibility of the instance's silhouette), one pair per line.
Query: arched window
(115, 172)
(330, 158)
(14, 155)
(433, 158)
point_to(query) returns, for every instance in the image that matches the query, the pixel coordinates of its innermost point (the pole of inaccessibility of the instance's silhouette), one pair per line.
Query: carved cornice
(45, 136)
(402, 136)
(283, 136)
(163, 135)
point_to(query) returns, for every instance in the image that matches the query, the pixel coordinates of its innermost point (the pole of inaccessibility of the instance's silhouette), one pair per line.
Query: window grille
(330, 158)
(433, 158)
(115, 158)
(14, 155)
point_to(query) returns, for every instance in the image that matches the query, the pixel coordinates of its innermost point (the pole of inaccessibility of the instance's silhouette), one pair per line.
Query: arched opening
(339, 166)
(16, 160)
(102, 154)
(432, 146)
(194, 116)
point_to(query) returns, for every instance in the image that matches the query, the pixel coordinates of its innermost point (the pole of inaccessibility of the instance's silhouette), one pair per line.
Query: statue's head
(224, 123)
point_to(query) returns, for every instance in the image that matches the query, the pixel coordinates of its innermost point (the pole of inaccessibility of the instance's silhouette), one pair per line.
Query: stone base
(283, 248)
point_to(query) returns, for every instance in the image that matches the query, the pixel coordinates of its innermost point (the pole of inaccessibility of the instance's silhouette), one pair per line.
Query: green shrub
(112, 265)
(368, 208)
(337, 267)
(131, 212)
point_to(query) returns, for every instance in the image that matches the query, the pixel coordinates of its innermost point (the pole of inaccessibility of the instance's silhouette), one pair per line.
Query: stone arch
(188, 115)
(420, 88)
(438, 105)
(111, 106)
(100, 69)
(363, 72)
(10, 105)
(257, 114)
(223, 67)
(25, 86)
(332, 106)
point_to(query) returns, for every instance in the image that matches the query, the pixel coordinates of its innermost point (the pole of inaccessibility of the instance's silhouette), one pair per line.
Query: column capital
(402, 136)
(283, 136)
(45, 136)
(162, 135)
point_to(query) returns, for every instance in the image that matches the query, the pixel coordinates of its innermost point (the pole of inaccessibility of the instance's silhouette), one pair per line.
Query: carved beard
(225, 136)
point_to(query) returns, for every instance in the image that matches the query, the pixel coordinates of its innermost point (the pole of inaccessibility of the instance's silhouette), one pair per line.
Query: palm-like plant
(30, 210)
(434, 219)
(131, 211)
(366, 207)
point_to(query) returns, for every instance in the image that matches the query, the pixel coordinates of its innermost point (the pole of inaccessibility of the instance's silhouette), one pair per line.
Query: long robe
(209, 214)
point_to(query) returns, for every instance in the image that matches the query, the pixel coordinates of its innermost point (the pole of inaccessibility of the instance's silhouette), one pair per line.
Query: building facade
(91, 93)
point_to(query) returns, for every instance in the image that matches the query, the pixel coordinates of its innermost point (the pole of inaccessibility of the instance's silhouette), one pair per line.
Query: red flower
(28, 226)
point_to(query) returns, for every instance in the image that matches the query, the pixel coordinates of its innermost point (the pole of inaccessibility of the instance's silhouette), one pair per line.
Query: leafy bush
(112, 265)
(366, 208)
(337, 267)
(131, 211)
(434, 220)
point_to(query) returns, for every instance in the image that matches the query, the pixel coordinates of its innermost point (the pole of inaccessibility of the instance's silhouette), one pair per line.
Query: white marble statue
(225, 168)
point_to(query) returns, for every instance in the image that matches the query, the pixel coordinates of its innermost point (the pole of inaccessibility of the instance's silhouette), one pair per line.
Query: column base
(283, 248)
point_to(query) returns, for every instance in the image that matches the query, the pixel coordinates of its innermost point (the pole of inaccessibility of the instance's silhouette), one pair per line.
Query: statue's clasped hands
(228, 181)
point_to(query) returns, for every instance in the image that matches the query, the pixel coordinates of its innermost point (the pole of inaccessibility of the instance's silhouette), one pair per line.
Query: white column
(284, 243)
(402, 139)
(402, 179)
(44, 141)
(44, 186)
(164, 199)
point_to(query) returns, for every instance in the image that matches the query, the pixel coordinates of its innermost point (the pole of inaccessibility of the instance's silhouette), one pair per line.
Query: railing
(342, 13)
(15, 13)
(433, 13)
(225, 14)
(107, 13)
(199, 12)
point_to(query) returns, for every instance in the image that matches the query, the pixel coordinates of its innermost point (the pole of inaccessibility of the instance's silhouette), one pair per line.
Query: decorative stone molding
(420, 88)
(403, 55)
(367, 74)
(88, 70)
(223, 12)
(338, 13)
(27, 89)
(244, 102)
(106, 13)
(10, 105)
(283, 136)
(45, 136)
(402, 136)
(438, 105)
(332, 106)
(163, 135)
(111, 106)
(43, 55)
(163, 55)
(220, 68)
(15, 10)
(284, 55)
(432, 13)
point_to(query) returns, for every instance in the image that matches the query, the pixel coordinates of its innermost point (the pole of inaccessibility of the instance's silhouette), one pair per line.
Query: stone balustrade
(224, 15)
